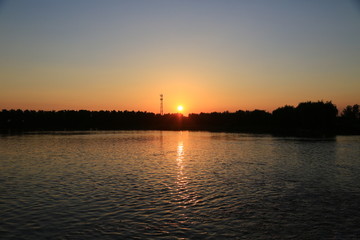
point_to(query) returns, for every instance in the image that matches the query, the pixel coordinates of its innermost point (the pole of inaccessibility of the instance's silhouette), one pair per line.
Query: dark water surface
(178, 185)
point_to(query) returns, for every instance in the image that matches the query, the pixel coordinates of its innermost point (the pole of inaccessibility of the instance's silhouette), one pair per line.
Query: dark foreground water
(178, 185)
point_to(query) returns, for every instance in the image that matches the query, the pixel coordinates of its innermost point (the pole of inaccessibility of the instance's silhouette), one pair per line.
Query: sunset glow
(180, 108)
(236, 55)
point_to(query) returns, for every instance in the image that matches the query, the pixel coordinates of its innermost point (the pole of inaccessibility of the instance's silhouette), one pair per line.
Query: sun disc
(180, 108)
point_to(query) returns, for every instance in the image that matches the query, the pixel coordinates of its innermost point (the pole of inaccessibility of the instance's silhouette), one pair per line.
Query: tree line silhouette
(308, 118)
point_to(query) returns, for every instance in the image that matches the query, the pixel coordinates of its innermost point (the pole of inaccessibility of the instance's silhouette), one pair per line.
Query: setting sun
(180, 108)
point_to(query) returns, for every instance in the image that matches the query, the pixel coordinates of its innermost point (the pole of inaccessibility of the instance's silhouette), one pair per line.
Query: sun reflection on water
(181, 180)
(185, 194)
(180, 155)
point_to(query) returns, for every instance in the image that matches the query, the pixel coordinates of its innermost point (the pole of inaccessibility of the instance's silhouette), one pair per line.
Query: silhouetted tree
(351, 112)
(285, 119)
(349, 122)
(317, 116)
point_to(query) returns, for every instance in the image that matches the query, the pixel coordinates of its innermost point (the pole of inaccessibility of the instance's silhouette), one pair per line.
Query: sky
(205, 55)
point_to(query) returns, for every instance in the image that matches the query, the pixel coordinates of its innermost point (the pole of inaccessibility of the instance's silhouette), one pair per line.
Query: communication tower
(161, 104)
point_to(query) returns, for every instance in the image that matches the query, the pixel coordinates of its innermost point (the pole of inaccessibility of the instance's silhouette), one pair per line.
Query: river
(178, 185)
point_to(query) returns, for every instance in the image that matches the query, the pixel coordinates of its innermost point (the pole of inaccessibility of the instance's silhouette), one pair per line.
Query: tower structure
(161, 104)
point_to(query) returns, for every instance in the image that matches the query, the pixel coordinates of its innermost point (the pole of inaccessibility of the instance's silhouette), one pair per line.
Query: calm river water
(178, 185)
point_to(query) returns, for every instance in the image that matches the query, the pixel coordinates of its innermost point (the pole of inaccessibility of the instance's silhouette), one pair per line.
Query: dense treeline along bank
(308, 118)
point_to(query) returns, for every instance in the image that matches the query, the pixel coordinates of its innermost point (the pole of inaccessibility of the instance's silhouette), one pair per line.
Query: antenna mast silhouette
(161, 104)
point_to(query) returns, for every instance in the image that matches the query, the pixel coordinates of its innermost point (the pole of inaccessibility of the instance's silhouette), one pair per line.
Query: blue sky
(233, 54)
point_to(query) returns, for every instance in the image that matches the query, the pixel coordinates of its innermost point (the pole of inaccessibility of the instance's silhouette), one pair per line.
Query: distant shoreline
(307, 119)
(4, 133)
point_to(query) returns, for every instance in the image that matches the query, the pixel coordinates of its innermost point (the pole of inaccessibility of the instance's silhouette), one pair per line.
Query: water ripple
(178, 185)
